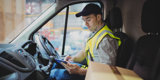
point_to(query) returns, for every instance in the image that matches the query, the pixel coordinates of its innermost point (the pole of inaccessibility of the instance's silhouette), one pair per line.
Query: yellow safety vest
(93, 42)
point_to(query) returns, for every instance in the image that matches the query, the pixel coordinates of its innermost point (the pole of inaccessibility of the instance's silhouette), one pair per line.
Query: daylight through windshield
(18, 14)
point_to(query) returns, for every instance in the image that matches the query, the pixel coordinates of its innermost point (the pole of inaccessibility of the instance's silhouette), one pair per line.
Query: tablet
(59, 63)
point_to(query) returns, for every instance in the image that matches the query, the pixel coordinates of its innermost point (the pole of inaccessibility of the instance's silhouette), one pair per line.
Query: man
(101, 46)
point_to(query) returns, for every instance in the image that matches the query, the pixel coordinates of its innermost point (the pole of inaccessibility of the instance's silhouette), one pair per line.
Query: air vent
(12, 59)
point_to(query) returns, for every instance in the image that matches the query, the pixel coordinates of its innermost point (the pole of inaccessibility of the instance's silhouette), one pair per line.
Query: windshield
(17, 15)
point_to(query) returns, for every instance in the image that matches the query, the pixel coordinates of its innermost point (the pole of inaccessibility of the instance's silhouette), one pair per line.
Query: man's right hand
(68, 58)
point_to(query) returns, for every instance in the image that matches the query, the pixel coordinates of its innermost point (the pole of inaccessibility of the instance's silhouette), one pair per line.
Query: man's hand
(68, 58)
(79, 57)
(74, 69)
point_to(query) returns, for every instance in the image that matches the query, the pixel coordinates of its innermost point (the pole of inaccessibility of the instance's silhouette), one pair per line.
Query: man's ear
(99, 17)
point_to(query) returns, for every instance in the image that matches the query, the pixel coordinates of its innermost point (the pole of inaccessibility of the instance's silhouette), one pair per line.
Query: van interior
(56, 32)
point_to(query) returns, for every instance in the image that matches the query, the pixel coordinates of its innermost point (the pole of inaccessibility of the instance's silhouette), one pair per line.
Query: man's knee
(59, 74)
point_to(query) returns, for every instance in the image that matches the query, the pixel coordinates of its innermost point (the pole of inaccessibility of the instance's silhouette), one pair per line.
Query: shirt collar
(93, 33)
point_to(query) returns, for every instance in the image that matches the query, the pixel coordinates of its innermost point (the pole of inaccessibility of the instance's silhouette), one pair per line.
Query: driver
(101, 46)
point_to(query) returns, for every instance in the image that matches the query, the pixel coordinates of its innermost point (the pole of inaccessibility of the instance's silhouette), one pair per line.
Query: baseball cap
(89, 9)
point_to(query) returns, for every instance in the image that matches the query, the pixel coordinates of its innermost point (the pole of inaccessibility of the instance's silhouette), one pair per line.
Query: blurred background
(15, 15)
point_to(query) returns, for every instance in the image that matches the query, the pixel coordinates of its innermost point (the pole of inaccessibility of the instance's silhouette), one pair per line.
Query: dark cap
(89, 9)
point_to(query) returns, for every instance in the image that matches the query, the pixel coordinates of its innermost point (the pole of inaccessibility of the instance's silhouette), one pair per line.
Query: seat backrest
(155, 71)
(114, 22)
(147, 46)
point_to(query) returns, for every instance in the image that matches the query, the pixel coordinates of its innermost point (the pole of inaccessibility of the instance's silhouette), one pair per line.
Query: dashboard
(24, 62)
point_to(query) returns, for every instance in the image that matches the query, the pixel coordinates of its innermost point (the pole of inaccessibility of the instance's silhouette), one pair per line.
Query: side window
(76, 31)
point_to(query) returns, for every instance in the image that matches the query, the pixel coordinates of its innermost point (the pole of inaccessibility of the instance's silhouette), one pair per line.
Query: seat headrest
(115, 17)
(148, 17)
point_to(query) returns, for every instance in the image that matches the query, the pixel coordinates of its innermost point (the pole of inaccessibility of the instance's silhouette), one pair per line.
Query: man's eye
(88, 19)
(84, 20)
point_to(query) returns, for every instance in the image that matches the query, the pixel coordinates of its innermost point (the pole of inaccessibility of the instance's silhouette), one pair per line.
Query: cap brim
(79, 14)
(83, 13)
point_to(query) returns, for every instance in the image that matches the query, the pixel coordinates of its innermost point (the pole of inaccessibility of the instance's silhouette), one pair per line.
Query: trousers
(58, 72)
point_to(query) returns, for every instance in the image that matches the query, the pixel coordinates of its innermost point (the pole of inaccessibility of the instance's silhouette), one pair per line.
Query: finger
(65, 65)
(69, 64)
(67, 58)
(67, 68)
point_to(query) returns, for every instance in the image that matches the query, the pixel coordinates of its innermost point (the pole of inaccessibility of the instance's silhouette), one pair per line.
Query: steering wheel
(31, 47)
(44, 61)
(47, 49)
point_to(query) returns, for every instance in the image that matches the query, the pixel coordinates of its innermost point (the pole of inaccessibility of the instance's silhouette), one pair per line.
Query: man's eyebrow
(86, 18)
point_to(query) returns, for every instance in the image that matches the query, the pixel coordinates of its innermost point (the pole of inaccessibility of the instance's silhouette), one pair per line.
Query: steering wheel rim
(47, 46)
(30, 42)
(44, 67)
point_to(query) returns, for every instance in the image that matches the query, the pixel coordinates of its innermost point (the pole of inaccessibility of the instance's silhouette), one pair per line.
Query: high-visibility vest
(93, 42)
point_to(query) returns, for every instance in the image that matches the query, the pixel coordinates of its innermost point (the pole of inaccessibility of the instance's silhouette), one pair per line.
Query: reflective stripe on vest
(93, 42)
